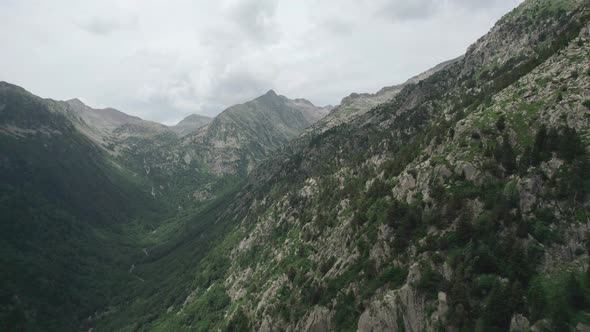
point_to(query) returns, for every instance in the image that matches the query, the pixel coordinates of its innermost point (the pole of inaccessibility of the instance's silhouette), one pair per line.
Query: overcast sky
(163, 60)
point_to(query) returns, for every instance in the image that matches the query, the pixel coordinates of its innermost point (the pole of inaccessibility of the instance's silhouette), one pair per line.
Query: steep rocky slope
(459, 204)
(447, 207)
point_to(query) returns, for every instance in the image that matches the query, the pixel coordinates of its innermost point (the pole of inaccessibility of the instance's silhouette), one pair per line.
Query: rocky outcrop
(519, 323)
(402, 309)
(319, 319)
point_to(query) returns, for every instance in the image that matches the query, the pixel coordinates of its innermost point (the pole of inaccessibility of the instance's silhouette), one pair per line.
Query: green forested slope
(62, 208)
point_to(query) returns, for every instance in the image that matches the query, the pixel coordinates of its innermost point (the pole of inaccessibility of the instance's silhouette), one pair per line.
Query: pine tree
(501, 123)
(539, 146)
(537, 301)
(239, 322)
(570, 145)
(508, 158)
(497, 313)
(464, 230)
(560, 314)
(575, 292)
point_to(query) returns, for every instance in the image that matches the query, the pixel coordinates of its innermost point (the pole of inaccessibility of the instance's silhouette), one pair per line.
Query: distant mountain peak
(193, 118)
(6, 85)
(271, 93)
(304, 101)
(190, 124)
(76, 102)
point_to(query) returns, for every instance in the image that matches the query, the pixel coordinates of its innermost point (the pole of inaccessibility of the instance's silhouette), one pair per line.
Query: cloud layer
(162, 60)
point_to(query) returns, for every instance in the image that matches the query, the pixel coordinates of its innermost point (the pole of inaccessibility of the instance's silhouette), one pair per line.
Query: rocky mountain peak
(190, 124)
(75, 102)
(271, 93)
(11, 87)
(193, 118)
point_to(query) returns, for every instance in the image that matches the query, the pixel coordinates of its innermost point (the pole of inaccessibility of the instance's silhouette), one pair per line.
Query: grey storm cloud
(257, 18)
(163, 60)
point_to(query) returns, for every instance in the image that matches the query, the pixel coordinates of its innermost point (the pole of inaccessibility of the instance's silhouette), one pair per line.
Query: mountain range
(456, 201)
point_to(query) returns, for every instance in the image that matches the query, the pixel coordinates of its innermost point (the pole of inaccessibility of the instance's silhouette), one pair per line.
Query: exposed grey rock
(551, 167)
(542, 325)
(581, 327)
(403, 306)
(576, 236)
(467, 169)
(529, 189)
(318, 320)
(266, 326)
(442, 309)
(519, 323)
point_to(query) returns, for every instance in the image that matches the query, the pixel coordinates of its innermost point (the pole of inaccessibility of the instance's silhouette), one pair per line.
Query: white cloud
(162, 60)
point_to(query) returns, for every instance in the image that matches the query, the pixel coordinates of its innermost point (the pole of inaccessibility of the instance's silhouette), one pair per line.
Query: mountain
(190, 124)
(107, 126)
(460, 203)
(197, 167)
(63, 204)
(244, 134)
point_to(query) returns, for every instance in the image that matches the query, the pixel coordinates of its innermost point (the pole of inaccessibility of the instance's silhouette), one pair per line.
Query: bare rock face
(581, 327)
(468, 170)
(399, 310)
(266, 326)
(442, 309)
(318, 320)
(403, 190)
(529, 189)
(541, 326)
(519, 323)
(570, 250)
